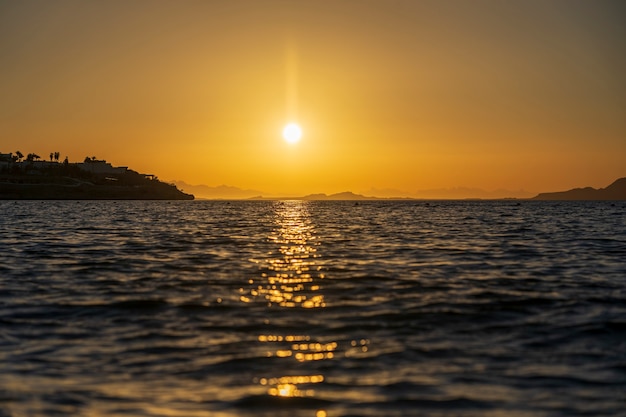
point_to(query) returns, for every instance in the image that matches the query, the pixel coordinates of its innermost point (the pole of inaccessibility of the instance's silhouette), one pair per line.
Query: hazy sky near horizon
(405, 94)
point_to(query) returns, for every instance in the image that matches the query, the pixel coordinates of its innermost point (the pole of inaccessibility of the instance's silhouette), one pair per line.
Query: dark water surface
(294, 308)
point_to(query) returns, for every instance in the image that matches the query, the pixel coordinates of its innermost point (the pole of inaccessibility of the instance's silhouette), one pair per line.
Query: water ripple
(295, 308)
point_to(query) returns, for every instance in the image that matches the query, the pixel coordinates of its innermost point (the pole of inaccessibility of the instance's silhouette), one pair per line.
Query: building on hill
(93, 166)
(101, 167)
(7, 160)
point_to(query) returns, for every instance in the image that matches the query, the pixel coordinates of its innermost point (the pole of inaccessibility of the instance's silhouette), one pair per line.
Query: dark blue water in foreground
(312, 308)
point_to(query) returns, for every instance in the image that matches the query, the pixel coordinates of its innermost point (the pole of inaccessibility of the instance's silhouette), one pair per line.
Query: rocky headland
(90, 180)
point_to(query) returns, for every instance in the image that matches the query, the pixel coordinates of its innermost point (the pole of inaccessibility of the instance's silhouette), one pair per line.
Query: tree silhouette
(19, 156)
(32, 157)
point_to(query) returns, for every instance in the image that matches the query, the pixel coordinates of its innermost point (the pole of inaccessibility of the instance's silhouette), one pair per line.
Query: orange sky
(407, 95)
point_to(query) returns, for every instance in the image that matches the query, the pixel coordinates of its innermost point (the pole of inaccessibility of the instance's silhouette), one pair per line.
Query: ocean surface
(295, 308)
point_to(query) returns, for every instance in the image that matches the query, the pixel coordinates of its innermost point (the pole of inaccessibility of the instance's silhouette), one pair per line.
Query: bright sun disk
(292, 133)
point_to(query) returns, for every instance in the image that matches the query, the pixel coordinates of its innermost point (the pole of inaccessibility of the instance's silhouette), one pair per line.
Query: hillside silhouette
(615, 191)
(92, 179)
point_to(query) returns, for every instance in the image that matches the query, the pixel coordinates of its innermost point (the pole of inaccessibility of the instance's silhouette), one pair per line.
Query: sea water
(296, 308)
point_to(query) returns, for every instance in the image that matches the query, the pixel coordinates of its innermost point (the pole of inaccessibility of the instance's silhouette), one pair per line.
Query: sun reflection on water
(292, 275)
(302, 349)
(292, 278)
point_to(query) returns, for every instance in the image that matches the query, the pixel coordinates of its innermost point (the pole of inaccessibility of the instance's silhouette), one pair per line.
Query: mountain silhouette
(346, 195)
(225, 192)
(615, 191)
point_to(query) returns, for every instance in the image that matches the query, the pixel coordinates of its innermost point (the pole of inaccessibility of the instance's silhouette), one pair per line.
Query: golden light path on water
(292, 280)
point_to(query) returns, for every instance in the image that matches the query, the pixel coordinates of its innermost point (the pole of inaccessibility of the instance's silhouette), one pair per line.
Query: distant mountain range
(615, 191)
(227, 192)
(455, 193)
(346, 195)
(458, 193)
(221, 192)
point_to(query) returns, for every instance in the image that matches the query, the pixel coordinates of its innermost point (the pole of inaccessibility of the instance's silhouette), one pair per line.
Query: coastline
(89, 192)
(24, 187)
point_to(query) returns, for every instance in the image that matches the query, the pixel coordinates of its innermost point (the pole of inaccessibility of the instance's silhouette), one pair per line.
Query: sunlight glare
(292, 133)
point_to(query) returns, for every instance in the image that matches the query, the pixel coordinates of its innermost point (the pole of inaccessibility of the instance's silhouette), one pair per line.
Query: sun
(292, 133)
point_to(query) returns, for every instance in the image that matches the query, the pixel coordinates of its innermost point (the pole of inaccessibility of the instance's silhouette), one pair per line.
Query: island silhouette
(31, 178)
